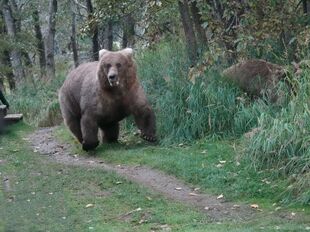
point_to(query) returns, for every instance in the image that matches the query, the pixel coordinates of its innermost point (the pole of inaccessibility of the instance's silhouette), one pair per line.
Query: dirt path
(172, 188)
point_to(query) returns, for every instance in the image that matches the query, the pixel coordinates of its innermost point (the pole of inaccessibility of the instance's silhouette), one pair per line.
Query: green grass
(45, 196)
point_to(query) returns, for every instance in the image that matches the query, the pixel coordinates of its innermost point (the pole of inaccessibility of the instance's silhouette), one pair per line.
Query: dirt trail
(172, 188)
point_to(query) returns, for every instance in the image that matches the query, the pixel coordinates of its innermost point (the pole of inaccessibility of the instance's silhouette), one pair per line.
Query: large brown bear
(256, 77)
(97, 95)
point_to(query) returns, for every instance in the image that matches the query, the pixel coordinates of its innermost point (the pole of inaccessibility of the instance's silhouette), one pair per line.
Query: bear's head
(116, 69)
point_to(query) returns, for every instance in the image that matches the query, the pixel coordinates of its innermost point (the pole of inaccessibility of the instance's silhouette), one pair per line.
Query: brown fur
(98, 95)
(256, 77)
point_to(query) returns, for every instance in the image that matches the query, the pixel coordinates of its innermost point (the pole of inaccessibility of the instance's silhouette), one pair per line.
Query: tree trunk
(39, 40)
(18, 24)
(95, 42)
(49, 41)
(73, 36)
(197, 23)
(11, 30)
(188, 30)
(128, 31)
(109, 36)
(306, 6)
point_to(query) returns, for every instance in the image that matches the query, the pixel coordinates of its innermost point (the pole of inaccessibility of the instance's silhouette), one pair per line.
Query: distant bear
(97, 95)
(256, 77)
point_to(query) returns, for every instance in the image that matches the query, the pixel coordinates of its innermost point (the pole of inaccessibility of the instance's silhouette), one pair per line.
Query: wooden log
(12, 118)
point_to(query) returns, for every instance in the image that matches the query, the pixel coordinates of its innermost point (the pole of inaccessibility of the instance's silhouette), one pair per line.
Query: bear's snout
(113, 78)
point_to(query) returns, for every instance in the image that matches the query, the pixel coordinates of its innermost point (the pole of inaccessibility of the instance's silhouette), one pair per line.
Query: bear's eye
(118, 65)
(107, 66)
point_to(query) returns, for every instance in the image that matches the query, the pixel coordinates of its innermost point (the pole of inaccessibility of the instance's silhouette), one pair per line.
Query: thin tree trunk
(109, 36)
(18, 24)
(95, 42)
(11, 30)
(39, 40)
(188, 30)
(306, 6)
(73, 36)
(50, 39)
(197, 23)
(128, 31)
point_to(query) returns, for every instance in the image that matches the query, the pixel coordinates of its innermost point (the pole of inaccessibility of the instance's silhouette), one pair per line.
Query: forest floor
(49, 184)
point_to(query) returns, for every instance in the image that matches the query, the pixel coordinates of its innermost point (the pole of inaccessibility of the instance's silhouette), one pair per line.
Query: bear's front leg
(89, 129)
(145, 120)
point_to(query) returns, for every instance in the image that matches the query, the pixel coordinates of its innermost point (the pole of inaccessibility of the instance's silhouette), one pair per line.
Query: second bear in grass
(256, 77)
(98, 95)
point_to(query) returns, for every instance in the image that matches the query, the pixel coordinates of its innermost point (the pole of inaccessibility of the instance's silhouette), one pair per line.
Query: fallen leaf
(193, 194)
(254, 206)
(89, 205)
(142, 221)
(220, 197)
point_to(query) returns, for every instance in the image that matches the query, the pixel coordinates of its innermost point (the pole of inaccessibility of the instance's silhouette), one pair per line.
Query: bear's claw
(149, 138)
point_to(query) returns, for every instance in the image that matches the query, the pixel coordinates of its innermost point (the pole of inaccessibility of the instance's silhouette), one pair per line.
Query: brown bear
(98, 95)
(256, 77)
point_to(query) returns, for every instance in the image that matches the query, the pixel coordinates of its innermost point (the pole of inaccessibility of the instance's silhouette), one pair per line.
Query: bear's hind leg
(75, 127)
(109, 134)
(89, 129)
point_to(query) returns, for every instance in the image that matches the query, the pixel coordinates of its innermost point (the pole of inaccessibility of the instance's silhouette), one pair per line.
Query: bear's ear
(101, 52)
(127, 52)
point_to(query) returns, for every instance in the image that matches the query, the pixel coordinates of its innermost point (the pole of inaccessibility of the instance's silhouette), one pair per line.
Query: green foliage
(274, 30)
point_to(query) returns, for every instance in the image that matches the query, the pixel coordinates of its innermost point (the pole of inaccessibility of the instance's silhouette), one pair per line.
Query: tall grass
(211, 107)
(37, 100)
(283, 142)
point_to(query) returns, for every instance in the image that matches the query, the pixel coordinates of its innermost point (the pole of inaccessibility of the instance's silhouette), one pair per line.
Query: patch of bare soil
(215, 207)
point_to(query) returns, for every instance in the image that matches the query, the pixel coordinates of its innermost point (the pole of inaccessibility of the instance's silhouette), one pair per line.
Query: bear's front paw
(89, 146)
(149, 138)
